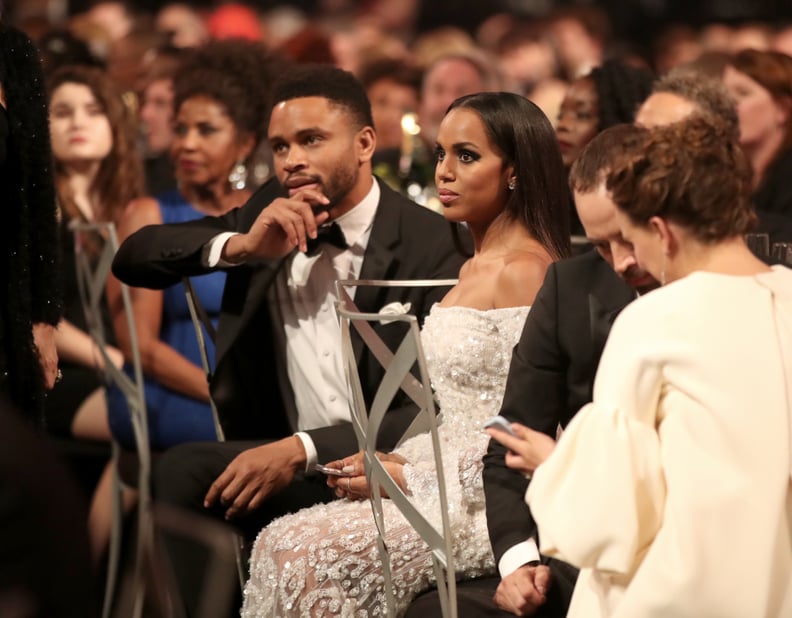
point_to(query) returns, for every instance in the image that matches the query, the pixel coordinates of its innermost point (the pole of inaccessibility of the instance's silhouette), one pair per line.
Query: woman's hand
(44, 340)
(527, 451)
(116, 356)
(356, 487)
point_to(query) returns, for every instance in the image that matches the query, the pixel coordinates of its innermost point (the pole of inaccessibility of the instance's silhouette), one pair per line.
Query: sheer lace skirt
(323, 561)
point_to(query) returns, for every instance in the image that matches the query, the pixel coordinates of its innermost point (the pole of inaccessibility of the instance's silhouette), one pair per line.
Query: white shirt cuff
(311, 456)
(518, 555)
(213, 250)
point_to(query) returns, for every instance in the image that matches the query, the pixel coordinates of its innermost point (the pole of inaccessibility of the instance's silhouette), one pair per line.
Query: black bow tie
(327, 233)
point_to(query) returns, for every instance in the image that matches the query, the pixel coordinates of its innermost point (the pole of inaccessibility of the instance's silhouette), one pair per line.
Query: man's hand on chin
(255, 474)
(523, 591)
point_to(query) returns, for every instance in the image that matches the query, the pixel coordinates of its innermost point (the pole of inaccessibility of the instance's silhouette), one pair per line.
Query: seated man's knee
(183, 474)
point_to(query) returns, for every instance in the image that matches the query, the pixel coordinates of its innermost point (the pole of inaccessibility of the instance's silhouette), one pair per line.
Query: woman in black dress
(30, 298)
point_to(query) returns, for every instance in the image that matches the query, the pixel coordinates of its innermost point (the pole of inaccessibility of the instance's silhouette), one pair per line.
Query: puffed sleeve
(599, 499)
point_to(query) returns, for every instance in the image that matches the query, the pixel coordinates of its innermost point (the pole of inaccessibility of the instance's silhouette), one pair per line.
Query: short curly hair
(620, 88)
(339, 87)
(693, 173)
(236, 73)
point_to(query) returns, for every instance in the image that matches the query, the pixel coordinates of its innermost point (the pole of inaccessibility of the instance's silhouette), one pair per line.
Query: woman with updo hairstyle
(699, 182)
(681, 464)
(761, 84)
(220, 108)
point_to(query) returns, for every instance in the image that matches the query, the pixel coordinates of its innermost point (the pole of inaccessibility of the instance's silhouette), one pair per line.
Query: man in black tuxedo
(551, 377)
(279, 379)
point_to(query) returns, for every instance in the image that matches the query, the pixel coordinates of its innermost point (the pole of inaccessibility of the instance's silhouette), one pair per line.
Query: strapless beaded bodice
(468, 352)
(469, 369)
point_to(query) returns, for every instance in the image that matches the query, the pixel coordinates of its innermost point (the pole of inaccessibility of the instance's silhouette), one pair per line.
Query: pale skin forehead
(597, 213)
(663, 108)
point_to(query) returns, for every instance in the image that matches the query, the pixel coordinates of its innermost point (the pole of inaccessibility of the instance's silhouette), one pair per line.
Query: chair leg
(116, 537)
(239, 556)
(145, 538)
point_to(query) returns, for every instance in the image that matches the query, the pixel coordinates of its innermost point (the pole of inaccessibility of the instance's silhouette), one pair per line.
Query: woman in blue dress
(220, 104)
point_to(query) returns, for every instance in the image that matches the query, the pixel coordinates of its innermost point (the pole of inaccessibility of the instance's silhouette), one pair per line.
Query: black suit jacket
(406, 242)
(551, 376)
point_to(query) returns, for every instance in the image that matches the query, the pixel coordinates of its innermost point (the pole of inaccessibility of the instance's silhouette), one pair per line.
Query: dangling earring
(238, 176)
(512, 184)
(662, 271)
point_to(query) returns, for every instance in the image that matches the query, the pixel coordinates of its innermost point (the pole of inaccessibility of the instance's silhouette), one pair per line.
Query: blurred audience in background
(156, 119)
(760, 82)
(393, 88)
(610, 94)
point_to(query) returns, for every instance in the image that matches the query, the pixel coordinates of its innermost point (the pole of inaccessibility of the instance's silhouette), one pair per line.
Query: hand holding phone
(333, 471)
(501, 424)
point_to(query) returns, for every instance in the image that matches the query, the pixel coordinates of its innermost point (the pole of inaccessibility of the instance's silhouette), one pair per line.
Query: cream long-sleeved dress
(672, 489)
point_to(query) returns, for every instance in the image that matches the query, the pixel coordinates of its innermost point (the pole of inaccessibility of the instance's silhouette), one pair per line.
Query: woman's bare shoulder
(138, 213)
(520, 278)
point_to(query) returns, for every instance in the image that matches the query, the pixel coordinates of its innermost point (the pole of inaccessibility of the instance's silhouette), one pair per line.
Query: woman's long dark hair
(526, 139)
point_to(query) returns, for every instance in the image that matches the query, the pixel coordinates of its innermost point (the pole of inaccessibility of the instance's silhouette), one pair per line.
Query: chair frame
(162, 590)
(367, 422)
(92, 274)
(202, 322)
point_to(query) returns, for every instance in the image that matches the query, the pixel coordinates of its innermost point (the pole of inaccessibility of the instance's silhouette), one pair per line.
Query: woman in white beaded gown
(498, 170)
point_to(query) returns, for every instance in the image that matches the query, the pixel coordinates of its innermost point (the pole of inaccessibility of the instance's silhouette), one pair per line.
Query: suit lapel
(600, 321)
(380, 254)
(605, 302)
(247, 292)
(380, 251)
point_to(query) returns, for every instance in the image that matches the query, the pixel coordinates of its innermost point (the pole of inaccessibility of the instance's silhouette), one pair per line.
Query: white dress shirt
(306, 327)
(303, 301)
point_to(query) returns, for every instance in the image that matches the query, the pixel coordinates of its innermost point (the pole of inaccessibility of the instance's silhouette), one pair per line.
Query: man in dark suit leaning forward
(279, 376)
(551, 377)
(553, 365)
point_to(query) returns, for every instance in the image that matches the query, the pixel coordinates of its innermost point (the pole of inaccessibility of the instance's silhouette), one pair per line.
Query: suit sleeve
(157, 256)
(534, 396)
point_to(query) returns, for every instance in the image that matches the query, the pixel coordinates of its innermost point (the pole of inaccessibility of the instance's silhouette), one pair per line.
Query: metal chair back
(95, 246)
(398, 376)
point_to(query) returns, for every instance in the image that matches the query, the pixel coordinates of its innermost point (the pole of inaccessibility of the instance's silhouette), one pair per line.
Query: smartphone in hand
(501, 424)
(331, 471)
